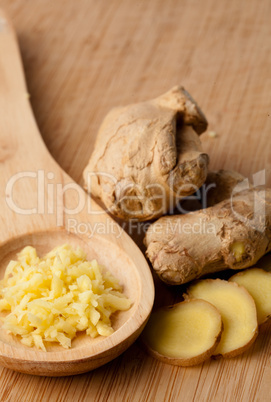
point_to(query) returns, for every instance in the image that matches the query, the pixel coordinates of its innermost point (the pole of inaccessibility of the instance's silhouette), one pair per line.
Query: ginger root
(220, 184)
(148, 155)
(233, 234)
(238, 311)
(184, 334)
(258, 283)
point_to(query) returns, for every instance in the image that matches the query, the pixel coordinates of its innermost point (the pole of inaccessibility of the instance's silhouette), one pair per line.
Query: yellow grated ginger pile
(54, 297)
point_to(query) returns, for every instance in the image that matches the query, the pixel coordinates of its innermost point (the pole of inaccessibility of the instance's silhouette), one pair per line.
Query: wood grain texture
(32, 215)
(82, 58)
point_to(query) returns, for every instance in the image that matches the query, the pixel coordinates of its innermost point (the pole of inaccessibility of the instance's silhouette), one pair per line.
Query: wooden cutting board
(82, 58)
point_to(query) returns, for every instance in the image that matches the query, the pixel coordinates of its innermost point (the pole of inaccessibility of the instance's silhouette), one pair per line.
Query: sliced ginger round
(184, 334)
(258, 283)
(238, 311)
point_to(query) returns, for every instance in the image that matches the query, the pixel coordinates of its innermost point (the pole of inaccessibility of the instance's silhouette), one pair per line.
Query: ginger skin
(232, 234)
(220, 185)
(148, 156)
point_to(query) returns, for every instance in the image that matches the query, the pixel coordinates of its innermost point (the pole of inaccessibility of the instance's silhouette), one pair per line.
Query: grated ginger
(54, 297)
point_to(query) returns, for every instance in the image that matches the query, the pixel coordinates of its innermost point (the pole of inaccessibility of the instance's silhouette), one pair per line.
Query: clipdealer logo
(51, 200)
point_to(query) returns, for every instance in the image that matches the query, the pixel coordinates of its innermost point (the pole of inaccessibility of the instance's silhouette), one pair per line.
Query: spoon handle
(19, 135)
(29, 175)
(12, 79)
(35, 193)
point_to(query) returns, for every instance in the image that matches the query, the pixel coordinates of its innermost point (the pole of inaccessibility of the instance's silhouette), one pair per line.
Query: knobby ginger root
(184, 334)
(258, 283)
(238, 311)
(220, 185)
(232, 234)
(148, 156)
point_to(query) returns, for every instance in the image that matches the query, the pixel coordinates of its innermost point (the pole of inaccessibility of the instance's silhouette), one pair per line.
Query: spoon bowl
(86, 353)
(41, 206)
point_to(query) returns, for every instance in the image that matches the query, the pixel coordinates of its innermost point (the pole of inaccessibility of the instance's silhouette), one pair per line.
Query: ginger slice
(238, 312)
(258, 283)
(184, 334)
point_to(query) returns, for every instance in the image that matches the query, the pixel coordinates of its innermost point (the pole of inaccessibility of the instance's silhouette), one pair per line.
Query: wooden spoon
(41, 206)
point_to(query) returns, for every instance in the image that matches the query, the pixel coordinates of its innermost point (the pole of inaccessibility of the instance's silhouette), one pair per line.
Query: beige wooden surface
(23, 150)
(83, 57)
